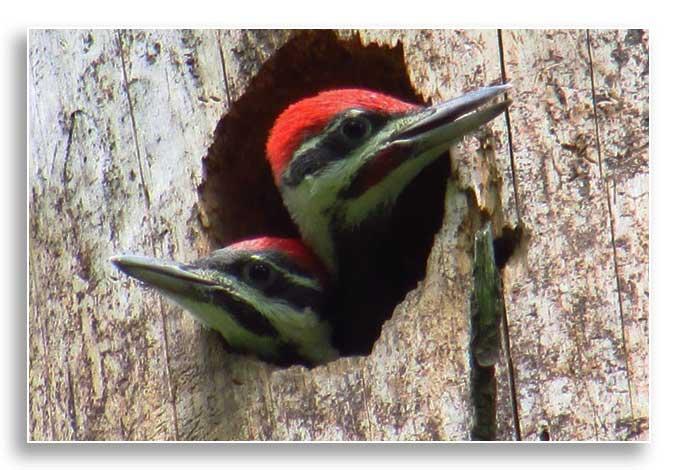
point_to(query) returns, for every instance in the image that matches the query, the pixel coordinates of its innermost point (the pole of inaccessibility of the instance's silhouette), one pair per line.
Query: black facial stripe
(283, 287)
(247, 316)
(286, 288)
(279, 265)
(234, 264)
(299, 297)
(332, 147)
(310, 162)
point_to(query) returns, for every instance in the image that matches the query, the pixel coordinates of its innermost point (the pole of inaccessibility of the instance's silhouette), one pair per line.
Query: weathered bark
(119, 124)
(570, 348)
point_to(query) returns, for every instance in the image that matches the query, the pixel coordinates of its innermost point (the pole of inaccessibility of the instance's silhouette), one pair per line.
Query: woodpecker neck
(325, 210)
(314, 220)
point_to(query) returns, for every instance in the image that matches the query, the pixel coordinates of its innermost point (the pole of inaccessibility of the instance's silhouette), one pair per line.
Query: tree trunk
(121, 124)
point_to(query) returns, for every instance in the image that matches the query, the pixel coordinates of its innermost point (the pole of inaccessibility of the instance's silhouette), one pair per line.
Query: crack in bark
(505, 336)
(506, 344)
(72, 413)
(507, 115)
(612, 228)
(147, 199)
(64, 173)
(147, 196)
(223, 70)
(366, 404)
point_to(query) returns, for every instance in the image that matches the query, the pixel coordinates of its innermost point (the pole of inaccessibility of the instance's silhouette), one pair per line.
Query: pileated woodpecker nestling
(340, 160)
(266, 296)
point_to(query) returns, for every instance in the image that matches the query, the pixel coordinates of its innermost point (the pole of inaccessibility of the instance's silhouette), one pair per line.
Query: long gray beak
(448, 121)
(168, 276)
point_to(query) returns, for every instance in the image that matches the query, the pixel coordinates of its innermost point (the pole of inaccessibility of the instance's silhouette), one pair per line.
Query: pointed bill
(448, 121)
(169, 276)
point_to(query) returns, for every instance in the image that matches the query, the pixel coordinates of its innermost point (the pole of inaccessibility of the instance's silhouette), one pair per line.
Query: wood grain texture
(620, 61)
(566, 328)
(120, 122)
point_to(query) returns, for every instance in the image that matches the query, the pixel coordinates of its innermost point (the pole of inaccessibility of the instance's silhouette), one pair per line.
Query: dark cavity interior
(506, 244)
(240, 199)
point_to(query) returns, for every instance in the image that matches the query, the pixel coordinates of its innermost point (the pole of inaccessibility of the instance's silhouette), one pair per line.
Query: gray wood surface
(119, 124)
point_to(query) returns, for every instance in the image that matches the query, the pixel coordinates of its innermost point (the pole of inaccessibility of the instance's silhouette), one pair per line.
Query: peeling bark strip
(487, 310)
(488, 304)
(109, 360)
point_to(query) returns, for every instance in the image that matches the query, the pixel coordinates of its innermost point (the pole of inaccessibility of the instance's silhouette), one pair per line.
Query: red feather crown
(304, 118)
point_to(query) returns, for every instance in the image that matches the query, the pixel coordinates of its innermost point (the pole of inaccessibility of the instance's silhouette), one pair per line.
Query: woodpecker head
(342, 155)
(266, 296)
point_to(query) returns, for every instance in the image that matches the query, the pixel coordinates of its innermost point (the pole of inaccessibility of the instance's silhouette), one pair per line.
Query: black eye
(356, 128)
(258, 274)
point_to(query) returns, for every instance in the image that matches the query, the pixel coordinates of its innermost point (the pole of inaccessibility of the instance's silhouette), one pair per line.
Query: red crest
(309, 116)
(293, 248)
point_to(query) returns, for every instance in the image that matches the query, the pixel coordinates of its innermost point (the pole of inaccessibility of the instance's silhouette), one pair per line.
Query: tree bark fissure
(505, 337)
(611, 219)
(151, 219)
(544, 63)
(620, 72)
(135, 133)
